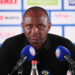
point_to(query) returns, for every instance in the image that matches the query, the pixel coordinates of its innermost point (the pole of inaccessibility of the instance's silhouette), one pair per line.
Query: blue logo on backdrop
(72, 2)
(45, 72)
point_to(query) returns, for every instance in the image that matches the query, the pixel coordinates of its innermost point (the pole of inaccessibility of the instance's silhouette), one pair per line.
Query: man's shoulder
(20, 38)
(17, 37)
(58, 39)
(54, 36)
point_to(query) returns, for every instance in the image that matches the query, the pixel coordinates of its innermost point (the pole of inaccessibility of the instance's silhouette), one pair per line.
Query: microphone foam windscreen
(60, 52)
(28, 51)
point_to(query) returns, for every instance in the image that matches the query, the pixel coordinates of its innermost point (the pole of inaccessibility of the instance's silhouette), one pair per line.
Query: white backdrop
(61, 15)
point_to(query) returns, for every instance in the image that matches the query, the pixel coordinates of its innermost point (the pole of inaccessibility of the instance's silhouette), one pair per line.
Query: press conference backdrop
(61, 15)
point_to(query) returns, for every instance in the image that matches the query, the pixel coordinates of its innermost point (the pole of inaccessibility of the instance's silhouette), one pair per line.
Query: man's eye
(29, 26)
(40, 26)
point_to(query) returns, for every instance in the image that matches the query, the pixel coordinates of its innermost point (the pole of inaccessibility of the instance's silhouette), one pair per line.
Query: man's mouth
(34, 37)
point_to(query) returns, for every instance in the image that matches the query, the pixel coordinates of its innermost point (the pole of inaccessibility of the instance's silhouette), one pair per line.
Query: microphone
(27, 54)
(63, 54)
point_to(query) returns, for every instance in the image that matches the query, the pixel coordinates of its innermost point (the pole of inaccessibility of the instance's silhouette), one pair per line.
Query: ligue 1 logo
(57, 53)
(32, 51)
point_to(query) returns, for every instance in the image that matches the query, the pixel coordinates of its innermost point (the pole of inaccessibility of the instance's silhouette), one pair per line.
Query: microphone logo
(32, 51)
(57, 52)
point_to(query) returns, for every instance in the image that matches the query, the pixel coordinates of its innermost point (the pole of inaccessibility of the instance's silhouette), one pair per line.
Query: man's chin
(34, 42)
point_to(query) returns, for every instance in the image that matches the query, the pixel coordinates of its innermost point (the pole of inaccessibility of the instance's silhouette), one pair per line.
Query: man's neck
(37, 46)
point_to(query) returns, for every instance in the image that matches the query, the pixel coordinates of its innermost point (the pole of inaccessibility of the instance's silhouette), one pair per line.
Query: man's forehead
(35, 13)
(33, 16)
(39, 19)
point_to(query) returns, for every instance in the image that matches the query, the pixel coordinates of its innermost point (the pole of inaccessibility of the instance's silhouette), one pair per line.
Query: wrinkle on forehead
(38, 13)
(40, 19)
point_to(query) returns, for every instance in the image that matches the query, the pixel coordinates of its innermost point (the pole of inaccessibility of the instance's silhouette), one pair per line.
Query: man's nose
(34, 30)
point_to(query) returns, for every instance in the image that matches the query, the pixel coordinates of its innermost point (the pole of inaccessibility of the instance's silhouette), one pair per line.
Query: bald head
(36, 10)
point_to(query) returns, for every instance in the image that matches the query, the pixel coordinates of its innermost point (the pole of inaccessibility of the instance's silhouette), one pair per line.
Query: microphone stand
(18, 65)
(20, 71)
(72, 70)
(71, 63)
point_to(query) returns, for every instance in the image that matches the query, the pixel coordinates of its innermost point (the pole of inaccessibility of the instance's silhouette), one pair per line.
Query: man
(35, 26)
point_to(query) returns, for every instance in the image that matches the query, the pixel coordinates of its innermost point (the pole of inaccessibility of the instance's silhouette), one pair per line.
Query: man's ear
(49, 25)
(22, 25)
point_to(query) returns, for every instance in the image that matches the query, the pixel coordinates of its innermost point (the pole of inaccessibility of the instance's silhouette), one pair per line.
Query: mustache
(35, 35)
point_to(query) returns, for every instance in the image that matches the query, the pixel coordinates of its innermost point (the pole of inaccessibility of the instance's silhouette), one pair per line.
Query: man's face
(35, 27)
